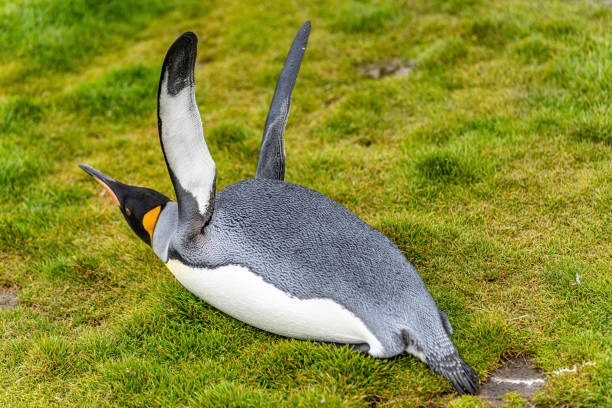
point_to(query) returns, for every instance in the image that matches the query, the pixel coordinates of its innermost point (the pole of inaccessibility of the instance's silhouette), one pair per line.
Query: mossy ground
(489, 164)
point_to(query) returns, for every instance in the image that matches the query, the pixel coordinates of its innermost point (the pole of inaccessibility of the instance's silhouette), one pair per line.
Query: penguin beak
(111, 186)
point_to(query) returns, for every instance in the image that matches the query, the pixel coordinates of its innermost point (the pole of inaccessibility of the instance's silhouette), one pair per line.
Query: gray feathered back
(308, 245)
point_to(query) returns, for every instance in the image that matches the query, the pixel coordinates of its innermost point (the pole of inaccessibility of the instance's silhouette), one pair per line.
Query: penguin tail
(452, 367)
(443, 359)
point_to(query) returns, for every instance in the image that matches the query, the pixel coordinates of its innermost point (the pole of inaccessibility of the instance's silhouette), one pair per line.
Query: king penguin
(276, 255)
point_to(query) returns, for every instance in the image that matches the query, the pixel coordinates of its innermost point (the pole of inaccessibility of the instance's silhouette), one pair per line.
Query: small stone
(393, 67)
(403, 71)
(374, 73)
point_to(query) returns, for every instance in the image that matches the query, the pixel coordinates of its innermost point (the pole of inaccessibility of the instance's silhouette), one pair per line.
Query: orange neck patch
(150, 219)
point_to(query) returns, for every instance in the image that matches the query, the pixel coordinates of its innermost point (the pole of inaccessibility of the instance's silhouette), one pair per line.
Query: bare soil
(8, 298)
(518, 376)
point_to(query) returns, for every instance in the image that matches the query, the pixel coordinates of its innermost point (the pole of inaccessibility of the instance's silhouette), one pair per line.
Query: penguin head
(140, 206)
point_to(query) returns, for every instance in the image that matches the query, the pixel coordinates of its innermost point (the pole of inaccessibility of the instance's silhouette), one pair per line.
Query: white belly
(245, 296)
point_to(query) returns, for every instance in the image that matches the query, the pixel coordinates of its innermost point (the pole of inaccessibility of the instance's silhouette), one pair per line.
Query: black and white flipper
(271, 163)
(189, 162)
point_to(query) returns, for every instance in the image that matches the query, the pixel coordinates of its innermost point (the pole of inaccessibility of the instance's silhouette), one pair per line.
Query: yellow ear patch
(150, 219)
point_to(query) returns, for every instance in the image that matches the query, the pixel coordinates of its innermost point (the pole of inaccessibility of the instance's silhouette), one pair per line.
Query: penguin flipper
(189, 162)
(271, 162)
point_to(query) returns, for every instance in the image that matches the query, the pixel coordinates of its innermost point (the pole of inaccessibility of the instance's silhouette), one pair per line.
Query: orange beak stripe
(113, 196)
(150, 219)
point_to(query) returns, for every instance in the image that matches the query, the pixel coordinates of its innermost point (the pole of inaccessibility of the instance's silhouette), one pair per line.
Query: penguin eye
(128, 211)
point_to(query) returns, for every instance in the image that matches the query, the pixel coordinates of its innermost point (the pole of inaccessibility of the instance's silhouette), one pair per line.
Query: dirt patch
(393, 67)
(518, 376)
(8, 299)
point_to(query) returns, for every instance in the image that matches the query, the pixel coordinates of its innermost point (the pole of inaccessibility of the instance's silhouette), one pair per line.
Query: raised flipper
(189, 162)
(271, 163)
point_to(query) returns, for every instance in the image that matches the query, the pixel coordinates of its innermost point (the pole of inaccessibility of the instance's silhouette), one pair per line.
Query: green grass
(488, 164)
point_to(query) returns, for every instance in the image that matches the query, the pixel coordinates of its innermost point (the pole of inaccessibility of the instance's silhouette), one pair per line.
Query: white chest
(245, 296)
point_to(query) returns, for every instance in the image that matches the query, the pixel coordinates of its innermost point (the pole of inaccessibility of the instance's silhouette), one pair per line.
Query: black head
(140, 206)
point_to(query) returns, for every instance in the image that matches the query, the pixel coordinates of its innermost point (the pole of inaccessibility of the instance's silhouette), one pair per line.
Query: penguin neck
(164, 230)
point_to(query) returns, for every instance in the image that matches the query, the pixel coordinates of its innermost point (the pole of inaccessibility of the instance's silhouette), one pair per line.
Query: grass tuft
(444, 53)
(494, 33)
(121, 95)
(359, 17)
(18, 168)
(533, 50)
(62, 36)
(450, 166)
(597, 130)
